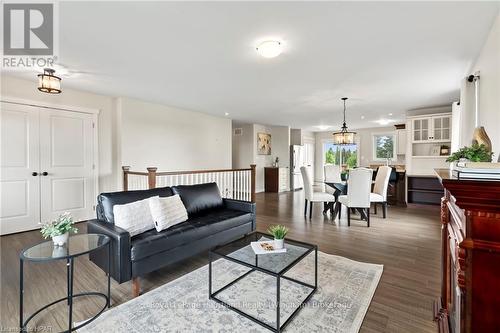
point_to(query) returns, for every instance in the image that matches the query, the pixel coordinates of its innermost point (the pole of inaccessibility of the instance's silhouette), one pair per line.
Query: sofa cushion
(152, 242)
(106, 201)
(167, 212)
(135, 217)
(199, 198)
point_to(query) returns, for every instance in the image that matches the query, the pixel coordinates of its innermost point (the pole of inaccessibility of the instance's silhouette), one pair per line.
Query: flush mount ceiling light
(344, 137)
(270, 48)
(48, 82)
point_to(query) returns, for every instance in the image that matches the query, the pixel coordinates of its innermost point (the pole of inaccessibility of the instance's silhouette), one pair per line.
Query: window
(341, 154)
(384, 146)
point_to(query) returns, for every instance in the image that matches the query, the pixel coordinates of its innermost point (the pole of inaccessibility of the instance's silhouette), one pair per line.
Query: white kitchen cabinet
(401, 141)
(436, 128)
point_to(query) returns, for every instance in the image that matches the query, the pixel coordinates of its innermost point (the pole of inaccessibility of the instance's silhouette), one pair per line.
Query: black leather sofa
(212, 221)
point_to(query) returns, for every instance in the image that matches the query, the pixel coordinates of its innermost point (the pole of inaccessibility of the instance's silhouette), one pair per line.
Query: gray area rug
(345, 289)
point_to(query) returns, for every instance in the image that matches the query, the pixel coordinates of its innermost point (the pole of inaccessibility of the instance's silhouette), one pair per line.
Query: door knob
(45, 173)
(34, 174)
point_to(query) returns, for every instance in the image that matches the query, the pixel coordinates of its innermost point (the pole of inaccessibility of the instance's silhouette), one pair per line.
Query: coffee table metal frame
(69, 281)
(213, 255)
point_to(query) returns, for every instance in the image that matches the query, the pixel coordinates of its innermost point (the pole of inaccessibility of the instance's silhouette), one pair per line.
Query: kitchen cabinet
(436, 128)
(401, 141)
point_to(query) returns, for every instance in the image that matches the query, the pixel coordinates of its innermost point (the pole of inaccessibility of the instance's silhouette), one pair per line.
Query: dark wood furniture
(397, 190)
(271, 179)
(424, 190)
(470, 232)
(275, 179)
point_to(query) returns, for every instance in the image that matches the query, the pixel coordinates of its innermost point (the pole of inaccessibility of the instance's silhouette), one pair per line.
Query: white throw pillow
(135, 217)
(167, 211)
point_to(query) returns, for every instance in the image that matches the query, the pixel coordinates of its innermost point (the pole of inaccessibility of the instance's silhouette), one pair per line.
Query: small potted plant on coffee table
(59, 229)
(279, 232)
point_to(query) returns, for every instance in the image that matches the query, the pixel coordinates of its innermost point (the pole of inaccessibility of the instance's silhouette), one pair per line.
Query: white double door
(47, 166)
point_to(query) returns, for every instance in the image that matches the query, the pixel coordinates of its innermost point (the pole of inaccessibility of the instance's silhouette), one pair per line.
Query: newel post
(152, 177)
(125, 169)
(252, 182)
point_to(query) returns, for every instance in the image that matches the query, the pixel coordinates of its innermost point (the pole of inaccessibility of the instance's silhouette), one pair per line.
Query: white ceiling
(388, 57)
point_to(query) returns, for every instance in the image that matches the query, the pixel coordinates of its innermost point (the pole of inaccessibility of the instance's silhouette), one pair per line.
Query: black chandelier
(344, 137)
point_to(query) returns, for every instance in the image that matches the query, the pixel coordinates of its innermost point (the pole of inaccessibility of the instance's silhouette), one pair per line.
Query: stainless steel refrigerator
(297, 159)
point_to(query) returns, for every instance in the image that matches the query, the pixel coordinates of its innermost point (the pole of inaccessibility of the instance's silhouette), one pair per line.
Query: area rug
(345, 289)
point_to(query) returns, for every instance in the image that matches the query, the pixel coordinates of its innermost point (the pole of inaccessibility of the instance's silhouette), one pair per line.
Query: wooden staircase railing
(236, 184)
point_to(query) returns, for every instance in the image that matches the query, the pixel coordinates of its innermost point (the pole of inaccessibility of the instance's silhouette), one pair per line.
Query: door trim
(40, 104)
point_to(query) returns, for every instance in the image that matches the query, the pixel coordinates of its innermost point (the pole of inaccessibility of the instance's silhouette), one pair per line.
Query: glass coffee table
(274, 265)
(76, 246)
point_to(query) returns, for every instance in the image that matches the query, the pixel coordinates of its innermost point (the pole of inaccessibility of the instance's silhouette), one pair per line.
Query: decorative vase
(481, 138)
(279, 243)
(61, 239)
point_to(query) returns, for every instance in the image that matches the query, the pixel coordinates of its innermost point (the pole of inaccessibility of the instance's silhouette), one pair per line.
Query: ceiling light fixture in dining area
(344, 137)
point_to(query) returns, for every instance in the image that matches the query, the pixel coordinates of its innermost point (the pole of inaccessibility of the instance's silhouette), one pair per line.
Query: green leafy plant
(278, 231)
(474, 153)
(60, 226)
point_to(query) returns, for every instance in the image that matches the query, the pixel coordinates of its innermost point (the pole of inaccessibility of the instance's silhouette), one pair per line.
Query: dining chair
(310, 194)
(379, 193)
(358, 193)
(332, 175)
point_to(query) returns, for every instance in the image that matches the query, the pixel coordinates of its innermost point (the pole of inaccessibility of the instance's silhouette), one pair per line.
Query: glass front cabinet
(432, 128)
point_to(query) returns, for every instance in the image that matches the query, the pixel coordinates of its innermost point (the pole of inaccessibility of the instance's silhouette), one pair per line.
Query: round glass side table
(76, 246)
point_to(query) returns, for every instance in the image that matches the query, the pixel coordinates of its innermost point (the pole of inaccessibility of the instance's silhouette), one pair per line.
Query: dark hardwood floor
(407, 243)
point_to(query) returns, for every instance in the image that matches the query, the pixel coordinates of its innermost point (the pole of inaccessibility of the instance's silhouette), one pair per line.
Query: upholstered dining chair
(310, 195)
(332, 175)
(379, 194)
(358, 193)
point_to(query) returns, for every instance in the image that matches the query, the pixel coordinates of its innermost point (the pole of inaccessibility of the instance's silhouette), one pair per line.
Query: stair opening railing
(236, 184)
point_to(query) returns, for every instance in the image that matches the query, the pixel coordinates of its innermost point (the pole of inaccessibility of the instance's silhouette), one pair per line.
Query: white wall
(172, 139)
(243, 146)
(364, 139)
(488, 63)
(140, 134)
(108, 156)
(280, 147)
(245, 149)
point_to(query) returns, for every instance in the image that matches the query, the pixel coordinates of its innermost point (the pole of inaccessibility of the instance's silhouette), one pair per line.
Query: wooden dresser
(470, 290)
(275, 179)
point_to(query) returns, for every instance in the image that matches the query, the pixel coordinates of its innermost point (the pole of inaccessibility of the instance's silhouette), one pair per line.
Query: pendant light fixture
(48, 82)
(344, 137)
